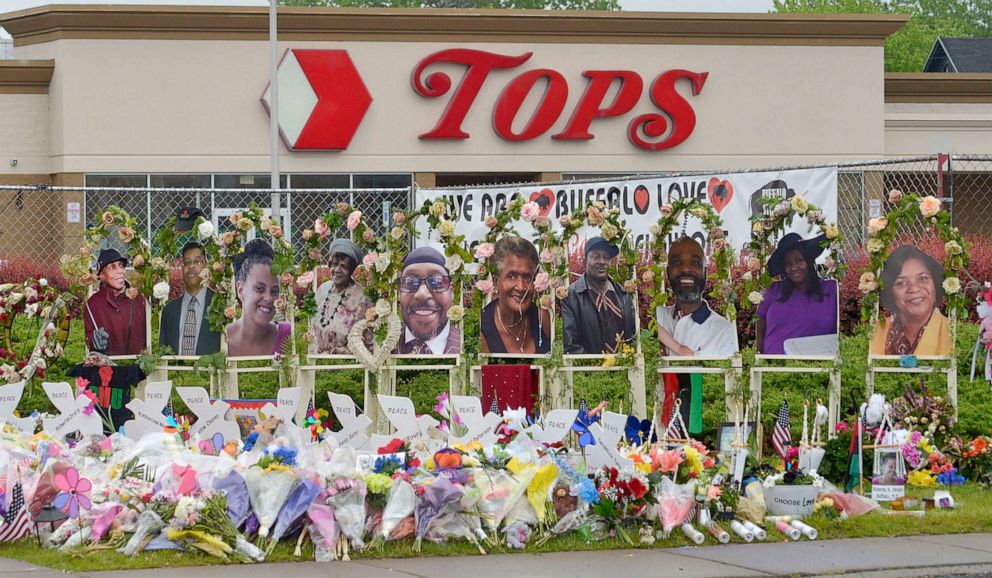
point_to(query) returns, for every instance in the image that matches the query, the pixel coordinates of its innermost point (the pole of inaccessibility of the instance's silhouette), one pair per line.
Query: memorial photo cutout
(340, 301)
(425, 296)
(256, 332)
(184, 328)
(911, 294)
(598, 314)
(114, 316)
(798, 313)
(513, 322)
(690, 325)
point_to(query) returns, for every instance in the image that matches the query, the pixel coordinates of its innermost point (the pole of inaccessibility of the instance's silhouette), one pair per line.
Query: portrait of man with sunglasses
(425, 295)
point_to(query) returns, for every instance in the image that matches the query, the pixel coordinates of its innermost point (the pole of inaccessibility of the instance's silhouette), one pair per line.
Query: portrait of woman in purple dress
(798, 315)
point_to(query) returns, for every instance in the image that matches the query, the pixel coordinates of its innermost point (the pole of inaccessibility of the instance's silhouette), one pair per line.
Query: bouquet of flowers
(976, 460)
(267, 492)
(400, 503)
(347, 497)
(435, 499)
(928, 414)
(623, 493)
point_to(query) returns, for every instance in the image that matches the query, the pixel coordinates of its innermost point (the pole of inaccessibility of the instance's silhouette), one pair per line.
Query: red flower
(392, 447)
(637, 487)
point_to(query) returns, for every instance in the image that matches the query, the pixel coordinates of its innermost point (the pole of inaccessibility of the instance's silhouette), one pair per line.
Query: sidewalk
(946, 555)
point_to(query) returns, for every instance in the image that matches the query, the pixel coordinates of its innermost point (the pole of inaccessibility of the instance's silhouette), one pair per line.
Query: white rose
(382, 262)
(15, 298)
(161, 290)
(952, 285)
(456, 313)
(875, 245)
(453, 263)
(382, 308)
(446, 229)
(43, 282)
(755, 298)
(205, 230)
(747, 276)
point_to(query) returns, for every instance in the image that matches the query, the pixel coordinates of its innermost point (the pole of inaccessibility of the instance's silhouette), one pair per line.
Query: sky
(630, 5)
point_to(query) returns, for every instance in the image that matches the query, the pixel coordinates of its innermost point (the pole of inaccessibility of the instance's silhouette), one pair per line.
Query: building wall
(938, 127)
(24, 134)
(194, 106)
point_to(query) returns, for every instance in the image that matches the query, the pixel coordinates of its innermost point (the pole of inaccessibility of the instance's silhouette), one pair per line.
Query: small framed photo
(725, 435)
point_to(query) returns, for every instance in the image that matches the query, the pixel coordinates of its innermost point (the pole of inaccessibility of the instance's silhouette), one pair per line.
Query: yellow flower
(467, 448)
(922, 478)
(693, 461)
(832, 231)
(609, 361)
(799, 204)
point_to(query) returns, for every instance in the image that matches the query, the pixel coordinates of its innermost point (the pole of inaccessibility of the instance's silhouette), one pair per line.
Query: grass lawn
(972, 514)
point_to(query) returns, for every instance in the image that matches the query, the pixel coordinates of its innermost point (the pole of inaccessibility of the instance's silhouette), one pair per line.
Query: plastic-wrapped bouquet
(623, 493)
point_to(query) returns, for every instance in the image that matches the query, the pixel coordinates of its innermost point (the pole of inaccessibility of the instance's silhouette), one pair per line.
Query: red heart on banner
(641, 199)
(545, 199)
(720, 193)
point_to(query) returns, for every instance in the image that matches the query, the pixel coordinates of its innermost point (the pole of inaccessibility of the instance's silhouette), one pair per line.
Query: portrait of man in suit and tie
(184, 327)
(425, 295)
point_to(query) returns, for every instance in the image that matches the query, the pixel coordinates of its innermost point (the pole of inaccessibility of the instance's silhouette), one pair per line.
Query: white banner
(735, 196)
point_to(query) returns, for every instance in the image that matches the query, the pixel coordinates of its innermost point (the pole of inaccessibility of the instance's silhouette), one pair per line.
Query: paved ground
(948, 555)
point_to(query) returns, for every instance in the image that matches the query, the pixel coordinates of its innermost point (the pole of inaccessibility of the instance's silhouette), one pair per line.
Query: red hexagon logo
(322, 99)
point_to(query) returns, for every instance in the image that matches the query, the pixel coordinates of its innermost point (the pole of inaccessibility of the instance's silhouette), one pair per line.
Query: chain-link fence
(40, 222)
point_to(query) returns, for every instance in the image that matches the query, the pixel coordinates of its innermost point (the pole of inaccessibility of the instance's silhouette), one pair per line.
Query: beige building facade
(176, 91)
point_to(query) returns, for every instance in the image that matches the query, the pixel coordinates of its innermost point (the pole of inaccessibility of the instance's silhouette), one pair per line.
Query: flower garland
(221, 247)
(32, 299)
(149, 270)
(721, 253)
(882, 232)
(765, 228)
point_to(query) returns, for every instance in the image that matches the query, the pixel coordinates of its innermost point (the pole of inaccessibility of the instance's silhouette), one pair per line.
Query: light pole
(274, 108)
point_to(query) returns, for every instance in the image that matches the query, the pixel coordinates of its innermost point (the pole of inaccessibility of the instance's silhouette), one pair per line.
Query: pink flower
(484, 251)
(491, 221)
(564, 220)
(320, 227)
(895, 195)
(541, 281)
(369, 260)
(484, 285)
(305, 279)
(368, 236)
(399, 218)
(547, 256)
(929, 206)
(353, 219)
(530, 211)
(667, 210)
(841, 427)
(714, 493)
(666, 461)
(878, 224)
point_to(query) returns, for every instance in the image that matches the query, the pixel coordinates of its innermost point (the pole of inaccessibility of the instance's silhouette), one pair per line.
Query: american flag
(583, 407)
(673, 432)
(494, 406)
(782, 434)
(17, 521)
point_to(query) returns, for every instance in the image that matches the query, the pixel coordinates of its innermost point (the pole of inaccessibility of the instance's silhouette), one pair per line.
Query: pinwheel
(74, 492)
(638, 430)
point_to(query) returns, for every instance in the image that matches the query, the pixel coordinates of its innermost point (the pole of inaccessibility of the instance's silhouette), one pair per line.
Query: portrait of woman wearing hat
(114, 316)
(798, 315)
(340, 301)
(255, 332)
(912, 288)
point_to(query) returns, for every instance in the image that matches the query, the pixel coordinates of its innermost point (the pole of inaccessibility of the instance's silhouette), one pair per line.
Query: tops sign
(323, 99)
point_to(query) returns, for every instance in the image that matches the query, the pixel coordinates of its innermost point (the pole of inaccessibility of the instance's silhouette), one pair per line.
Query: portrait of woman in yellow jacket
(912, 288)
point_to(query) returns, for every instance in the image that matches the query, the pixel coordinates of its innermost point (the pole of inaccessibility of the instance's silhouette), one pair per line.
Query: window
(320, 182)
(382, 181)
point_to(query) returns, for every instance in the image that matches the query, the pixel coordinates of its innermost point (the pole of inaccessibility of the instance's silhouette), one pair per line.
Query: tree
(907, 50)
(504, 4)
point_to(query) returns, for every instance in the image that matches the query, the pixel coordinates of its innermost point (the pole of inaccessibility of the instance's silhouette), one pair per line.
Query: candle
(717, 532)
(693, 534)
(742, 531)
(807, 530)
(789, 531)
(757, 530)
